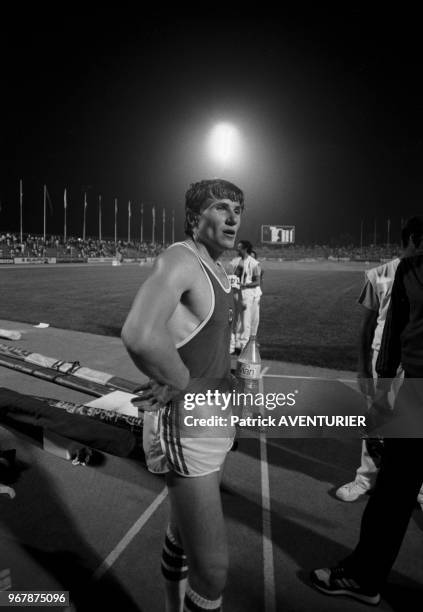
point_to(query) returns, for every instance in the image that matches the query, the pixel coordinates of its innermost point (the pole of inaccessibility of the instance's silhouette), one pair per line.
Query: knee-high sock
(194, 602)
(174, 561)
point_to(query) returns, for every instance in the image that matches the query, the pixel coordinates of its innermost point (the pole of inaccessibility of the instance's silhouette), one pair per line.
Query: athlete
(178, 333)
(255, 318)
(247, 270)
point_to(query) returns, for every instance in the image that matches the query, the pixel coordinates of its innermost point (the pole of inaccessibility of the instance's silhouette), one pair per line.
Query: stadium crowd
(73, 248)
(77, 248)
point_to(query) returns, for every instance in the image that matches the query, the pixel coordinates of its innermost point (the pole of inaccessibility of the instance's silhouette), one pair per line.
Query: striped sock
(174, 561)
(194, 602)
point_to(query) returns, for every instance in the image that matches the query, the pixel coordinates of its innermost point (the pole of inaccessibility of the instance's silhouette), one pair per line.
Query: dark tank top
(205, 352)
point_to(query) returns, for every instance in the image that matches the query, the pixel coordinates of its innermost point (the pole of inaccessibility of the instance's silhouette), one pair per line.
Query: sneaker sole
(353, 499)
(372, 600)
(350, 500)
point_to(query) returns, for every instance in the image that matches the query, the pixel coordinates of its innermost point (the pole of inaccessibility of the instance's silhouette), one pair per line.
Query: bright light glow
(224, 143)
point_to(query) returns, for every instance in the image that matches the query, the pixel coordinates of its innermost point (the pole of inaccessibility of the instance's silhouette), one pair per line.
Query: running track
(98, 531)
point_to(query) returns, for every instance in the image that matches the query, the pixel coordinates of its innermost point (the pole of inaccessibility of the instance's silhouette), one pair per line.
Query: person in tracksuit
(387, 514)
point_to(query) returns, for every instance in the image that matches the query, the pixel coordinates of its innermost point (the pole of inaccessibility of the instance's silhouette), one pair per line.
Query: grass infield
(307, 316)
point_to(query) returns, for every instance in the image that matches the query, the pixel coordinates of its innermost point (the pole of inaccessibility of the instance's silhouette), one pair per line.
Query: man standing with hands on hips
(178, 333)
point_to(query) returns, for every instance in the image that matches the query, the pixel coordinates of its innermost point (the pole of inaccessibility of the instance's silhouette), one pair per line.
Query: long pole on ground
(116, 209)
(142, 224)
(129, 221)
(65, 206)
(44, 213)
(99, 217)
(361, 234)
(85, 211)
(374, 234)
(388, 232)
(20, 207)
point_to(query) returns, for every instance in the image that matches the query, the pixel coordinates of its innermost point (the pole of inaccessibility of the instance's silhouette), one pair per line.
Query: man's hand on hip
(154, 396)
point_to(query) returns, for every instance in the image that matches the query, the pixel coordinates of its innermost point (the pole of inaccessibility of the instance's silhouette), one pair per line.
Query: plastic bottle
(248, 372)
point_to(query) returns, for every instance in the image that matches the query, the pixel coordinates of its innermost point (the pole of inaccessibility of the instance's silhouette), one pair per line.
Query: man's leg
(365, 477)
(367, 472)
(247, 314)
(197, 511)
(255, 317)
(386, 516)
(236, 323)
(174, 569)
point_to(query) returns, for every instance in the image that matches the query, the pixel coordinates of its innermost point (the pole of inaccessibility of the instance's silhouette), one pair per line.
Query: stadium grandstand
(78, 250)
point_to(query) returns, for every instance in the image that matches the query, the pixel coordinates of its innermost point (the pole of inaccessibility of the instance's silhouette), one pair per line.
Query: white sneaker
(351, 491)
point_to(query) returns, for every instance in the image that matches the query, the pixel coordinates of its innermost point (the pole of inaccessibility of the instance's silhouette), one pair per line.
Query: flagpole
(142, 223)
(65, 205)
(153, 227)
(44, 213)
(164, 230)
(129, 221)
(85, 208)
(99, 217)
(116, 207)
(20, 206)
(173, 226)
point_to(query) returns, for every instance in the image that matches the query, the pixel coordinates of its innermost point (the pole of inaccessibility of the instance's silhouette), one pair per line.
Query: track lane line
(342, 380)
(129, 536)
(268, 561)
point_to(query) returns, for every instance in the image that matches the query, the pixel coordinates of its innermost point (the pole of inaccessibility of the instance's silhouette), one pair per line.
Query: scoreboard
(278, 234)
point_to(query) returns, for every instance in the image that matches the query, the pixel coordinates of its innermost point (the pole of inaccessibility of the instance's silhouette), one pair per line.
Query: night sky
(329, 107)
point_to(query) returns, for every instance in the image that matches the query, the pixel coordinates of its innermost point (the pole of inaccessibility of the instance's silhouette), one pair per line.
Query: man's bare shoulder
(177, 262)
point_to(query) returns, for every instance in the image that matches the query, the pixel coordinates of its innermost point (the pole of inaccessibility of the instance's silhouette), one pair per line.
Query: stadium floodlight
(224, 143)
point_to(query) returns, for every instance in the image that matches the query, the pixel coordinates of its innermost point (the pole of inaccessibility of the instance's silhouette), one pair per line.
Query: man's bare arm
(145, 332)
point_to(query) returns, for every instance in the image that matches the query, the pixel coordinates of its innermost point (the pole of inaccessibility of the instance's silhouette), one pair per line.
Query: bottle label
(249, 370)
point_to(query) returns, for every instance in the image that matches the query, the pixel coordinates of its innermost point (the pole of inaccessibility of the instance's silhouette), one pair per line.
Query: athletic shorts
(192, 456)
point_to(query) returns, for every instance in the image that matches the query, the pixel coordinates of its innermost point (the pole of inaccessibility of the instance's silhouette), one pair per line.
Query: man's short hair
(413, 228)
(246, 244)
(201, 194)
